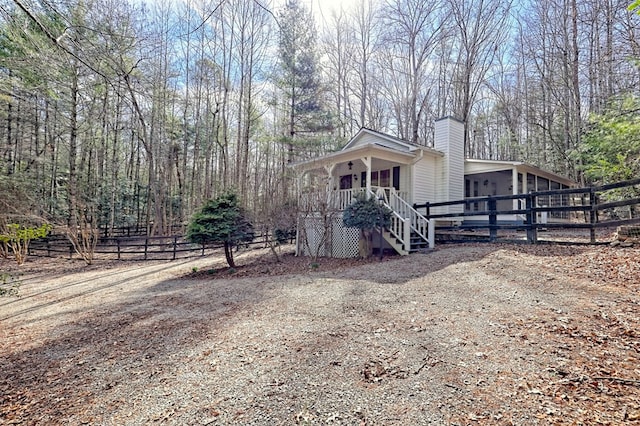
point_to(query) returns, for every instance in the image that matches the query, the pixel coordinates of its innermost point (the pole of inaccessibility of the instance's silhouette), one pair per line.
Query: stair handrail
(396, 227)
(419, 224)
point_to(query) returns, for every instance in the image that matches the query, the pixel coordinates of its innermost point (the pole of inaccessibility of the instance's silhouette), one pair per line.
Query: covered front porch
(326, 186)
(361, 169)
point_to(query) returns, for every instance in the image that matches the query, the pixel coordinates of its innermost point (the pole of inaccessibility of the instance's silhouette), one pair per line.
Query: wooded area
(116, 114)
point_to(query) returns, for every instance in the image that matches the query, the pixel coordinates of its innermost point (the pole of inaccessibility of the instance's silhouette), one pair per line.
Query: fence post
(175, 244)
(532, 230)
(406, 234)
(593, 214)
(118, 244)
(431, 233)
(493, 219)
(146, 246)
(203, 244)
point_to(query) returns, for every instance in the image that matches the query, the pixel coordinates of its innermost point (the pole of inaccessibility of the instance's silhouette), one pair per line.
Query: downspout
(524, 189)
(514, 187)
(414, 161)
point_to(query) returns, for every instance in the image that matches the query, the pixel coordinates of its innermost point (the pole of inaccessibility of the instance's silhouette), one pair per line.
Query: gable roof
(370, 142)
(355, 153)
(367, 136)
(381, 139)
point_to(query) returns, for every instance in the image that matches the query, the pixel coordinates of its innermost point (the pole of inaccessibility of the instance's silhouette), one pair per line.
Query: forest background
(116, 113)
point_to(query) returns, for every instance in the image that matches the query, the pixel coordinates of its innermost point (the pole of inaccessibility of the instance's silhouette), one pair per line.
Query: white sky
(322, 8)
(326, 6)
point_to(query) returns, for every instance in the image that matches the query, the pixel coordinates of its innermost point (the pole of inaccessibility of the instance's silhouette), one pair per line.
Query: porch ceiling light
(350, 164)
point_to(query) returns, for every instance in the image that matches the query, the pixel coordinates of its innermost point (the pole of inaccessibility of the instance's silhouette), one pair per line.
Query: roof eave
(519, 164)
(356, 153)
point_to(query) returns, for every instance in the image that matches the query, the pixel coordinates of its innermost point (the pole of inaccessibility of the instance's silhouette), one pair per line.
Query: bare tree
(338, 49)
(481, 29)
(367, 45)
(412, 31)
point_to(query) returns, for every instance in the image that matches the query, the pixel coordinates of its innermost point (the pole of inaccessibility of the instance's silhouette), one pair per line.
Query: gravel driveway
(466, 334)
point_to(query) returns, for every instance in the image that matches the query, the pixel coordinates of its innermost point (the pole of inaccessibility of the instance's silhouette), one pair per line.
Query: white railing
(399, 226)
(404, 218)
(343, 197)
(419, 224)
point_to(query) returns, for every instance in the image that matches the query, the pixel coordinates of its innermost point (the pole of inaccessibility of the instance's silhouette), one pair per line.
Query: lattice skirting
(327, 237)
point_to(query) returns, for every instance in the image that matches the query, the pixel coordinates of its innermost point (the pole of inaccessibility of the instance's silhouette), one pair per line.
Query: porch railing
(419, 224)
(404, 213)
(342, 198)
(399, 226)
(404, 218)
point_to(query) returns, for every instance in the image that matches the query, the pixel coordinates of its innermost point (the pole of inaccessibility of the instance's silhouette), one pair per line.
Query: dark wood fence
(133, 248)
(567, 213)
(139, 230)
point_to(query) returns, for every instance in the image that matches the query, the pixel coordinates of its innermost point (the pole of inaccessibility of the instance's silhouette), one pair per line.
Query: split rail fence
(133, 248)
(572, 215)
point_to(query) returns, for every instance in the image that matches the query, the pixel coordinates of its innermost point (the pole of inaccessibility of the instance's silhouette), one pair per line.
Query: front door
(345, 182)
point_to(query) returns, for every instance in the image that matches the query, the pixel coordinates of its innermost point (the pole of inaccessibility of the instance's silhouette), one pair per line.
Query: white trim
(497, 166)
(383, 136)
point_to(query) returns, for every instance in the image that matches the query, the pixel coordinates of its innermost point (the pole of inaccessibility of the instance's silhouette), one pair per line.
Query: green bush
(221, 220)
(366, 214)
(15, 238)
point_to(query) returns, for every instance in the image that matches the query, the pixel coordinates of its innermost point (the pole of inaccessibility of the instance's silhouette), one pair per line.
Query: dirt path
(473, 334)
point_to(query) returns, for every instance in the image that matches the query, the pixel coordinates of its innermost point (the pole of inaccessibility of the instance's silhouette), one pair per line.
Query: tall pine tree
(299, 76)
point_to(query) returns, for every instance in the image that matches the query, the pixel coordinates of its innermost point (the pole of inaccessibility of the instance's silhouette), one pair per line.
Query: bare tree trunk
(72, 185)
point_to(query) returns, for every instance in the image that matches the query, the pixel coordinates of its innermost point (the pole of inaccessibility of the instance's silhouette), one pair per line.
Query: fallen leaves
(538, 363)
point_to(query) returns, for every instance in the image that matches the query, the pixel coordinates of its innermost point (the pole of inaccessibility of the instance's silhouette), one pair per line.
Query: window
(396, 178)
(531, 183)
(476, 192)
(385, 178)
(345, 182)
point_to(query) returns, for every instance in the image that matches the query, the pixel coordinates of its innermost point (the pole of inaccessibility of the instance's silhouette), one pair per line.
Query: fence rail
(570, 209)
(133, 248)
(140, 230)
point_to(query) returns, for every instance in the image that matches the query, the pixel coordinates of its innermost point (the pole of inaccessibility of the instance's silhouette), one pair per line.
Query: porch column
(330, 181)
(367, 164)
(514, 186)
(330, 184)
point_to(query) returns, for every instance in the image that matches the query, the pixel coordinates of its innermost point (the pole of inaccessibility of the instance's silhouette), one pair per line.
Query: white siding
(424, 180)
(365, 138)
(449, 138)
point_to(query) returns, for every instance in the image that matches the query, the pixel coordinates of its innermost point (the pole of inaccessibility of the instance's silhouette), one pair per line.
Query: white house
(400, 175)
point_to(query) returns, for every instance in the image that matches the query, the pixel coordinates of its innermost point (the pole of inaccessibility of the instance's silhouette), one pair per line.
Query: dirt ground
(472, 334)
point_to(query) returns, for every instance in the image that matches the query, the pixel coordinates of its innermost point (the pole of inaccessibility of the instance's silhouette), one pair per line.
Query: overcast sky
(322, 8)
